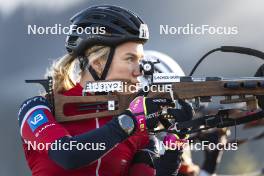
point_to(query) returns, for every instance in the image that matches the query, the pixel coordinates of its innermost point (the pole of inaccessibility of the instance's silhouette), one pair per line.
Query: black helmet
(119, 25)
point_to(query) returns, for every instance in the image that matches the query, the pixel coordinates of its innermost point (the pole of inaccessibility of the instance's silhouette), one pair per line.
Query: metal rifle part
(47, 84)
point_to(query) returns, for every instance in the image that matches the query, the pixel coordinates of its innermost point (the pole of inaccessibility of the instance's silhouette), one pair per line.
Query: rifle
(234, 90)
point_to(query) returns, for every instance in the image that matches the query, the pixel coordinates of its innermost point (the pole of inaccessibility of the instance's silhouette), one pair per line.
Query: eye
(130, 58)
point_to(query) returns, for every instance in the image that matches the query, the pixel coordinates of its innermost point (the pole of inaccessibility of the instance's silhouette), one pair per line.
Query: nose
(136, 71)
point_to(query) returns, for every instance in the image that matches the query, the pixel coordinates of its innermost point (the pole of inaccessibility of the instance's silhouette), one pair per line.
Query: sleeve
(143, 161)
(141, 169)
(38, 125)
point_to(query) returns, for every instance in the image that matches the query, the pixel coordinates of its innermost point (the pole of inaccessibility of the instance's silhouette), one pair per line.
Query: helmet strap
(93, 73)
(108, 63)
(106, 68)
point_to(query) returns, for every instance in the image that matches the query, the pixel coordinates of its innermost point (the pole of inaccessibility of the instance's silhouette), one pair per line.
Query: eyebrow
(133, 55)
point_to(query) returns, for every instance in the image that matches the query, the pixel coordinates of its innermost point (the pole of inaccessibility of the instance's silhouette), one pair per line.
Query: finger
(178, 115)
(186, 107)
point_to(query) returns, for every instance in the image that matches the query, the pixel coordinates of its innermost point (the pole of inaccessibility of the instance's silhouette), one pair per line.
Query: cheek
(121, 70)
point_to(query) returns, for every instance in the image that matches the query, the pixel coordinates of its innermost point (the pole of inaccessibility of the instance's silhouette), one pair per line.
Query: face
(125, 64)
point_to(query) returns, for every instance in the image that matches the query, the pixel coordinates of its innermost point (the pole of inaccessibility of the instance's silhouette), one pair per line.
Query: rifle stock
(244, 90)
(61, 100)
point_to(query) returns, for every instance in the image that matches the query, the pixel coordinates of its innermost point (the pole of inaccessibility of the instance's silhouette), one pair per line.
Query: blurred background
(26, 56)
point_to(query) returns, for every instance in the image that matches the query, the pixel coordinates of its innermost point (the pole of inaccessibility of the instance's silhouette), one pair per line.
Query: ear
(98, 66)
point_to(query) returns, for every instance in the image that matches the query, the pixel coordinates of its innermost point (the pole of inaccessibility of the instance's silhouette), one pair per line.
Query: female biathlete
(124, 145)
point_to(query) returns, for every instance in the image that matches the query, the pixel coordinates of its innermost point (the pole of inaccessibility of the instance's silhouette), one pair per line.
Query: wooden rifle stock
(244, 90)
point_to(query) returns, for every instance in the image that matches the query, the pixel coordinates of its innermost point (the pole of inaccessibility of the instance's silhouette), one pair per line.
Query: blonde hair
(66, 71)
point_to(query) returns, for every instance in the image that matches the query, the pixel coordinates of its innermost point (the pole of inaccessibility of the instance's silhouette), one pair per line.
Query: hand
(145, 111)
(185, 113)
